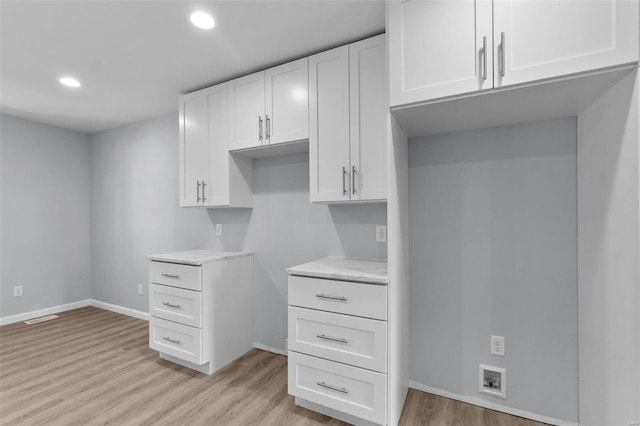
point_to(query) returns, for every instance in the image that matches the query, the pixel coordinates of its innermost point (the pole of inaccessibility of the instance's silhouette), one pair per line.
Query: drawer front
(361, 393)
(175, 275)
(176, 304)
(361, 342)
(179, 340)
(343, 297)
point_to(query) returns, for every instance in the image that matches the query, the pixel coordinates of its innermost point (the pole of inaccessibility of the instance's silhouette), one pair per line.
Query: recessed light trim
(69, 81)
(202, 20)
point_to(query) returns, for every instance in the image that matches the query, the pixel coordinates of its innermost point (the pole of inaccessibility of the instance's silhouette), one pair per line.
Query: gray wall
(134, 212)
(492, 215)
(44, 216)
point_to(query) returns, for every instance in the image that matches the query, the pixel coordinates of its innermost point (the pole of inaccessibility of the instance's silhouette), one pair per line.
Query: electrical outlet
(219, 229)
(497, 345)
(17, 291)
(381, 234)
(139, 288)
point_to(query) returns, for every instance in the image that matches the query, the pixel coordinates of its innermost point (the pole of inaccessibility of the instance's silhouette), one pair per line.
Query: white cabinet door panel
(216, 191)
(193, 148)
(287, 102)
(551, 38)
(437, 48)
(329, 125)
(246, 106)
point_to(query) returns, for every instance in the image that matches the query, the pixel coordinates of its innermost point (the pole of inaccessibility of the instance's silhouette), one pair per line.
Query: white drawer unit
(176, 304)
(338, 339)
(352, 390)
(201, 309)
(176, 275)
(176, 339)
(343, 338)
(343, 297)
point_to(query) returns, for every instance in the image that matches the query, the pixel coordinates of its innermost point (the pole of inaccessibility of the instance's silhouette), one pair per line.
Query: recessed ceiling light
(69, 81)
(202, 20)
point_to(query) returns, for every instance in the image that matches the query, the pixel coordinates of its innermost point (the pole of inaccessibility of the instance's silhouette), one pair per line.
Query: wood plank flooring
(94, 367)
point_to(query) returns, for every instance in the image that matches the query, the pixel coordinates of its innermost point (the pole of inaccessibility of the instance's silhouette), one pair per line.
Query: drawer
(343, 297)
(361, 342)
(179, 340)
(361, 393)
(175, 275)
(176, 304)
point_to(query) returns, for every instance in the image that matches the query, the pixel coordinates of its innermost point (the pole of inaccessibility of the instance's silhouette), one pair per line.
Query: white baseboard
(42, 312)
(120, 309)
(474, 400)
(269, 349)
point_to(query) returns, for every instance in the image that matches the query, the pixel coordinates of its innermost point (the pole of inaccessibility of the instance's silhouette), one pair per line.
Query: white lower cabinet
(201, 307)
(338, 346)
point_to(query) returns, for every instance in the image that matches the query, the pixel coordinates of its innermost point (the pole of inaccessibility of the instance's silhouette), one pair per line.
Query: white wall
(134, 212)
(44, 216)
(492, 215)
(609, 257)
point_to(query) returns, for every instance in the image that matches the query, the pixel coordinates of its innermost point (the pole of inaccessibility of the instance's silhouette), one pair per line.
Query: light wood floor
(92, 366)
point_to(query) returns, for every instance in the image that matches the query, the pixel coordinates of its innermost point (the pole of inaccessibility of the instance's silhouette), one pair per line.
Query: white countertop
(198, 257)
(337, 268)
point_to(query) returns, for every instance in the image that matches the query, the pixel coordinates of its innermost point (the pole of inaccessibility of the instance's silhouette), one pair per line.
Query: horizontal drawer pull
(169, 339)
(324, 296)
(335, 388)
(170, 276)
(171, 305)
(333, 339)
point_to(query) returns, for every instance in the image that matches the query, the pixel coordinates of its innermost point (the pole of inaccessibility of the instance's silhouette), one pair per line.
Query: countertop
(337, 268)
(198, 257)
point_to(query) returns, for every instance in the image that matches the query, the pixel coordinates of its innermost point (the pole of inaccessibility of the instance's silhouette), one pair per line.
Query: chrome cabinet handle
(198, 190)
(484, 57)
(170, 276)
(324, 296)
(203, 197)
(344, 180)
(267, 126)
(169, 339)
(260, 129)
(353, 180)
(333, 339)
(335, 388)
(502, 51)
(171, 305)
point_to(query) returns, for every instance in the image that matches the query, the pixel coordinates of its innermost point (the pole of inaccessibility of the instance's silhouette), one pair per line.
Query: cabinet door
(329, 125)
(287, 102)
(369, 109)
(544, 39)
(246, 106)
(437, 48)
(193, 150)
(216, 190)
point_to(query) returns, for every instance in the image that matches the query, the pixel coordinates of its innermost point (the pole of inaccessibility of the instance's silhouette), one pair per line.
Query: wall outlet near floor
(219, 229)
(493, 381)
(17, 291)
(497, 345)
(381, 233)
(139, 288)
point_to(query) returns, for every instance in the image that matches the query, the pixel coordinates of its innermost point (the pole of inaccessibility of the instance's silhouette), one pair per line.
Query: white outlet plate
(219, 229)
(492, 381)
(139, 288)
(381, 233)
(17, 291)
(497, 345)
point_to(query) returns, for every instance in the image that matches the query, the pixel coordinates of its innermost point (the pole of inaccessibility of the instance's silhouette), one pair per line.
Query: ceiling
(134, 58)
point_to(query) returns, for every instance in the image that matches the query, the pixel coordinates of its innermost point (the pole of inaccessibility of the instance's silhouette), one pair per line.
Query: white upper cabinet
(348, 105)
(439, 48)
(538, 39)
(442, 48)
(209, 175)
(270, 107)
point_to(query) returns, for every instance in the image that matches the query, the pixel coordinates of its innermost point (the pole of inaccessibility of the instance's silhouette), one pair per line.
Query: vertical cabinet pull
(344, 181)
(203, 197)
(198, 190)
(260, 129)
(501, 53)
(353, 180)
(267, 126)
(484, 57)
